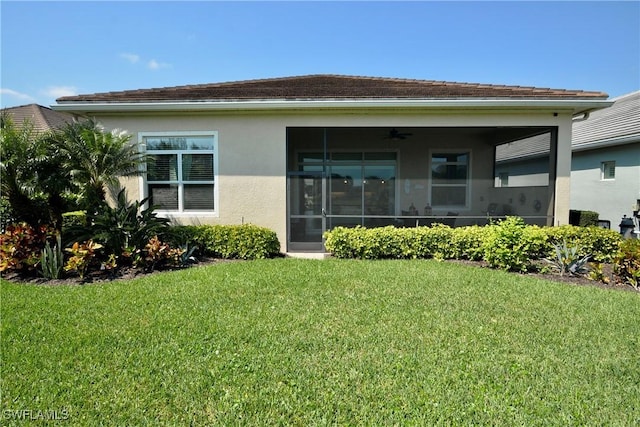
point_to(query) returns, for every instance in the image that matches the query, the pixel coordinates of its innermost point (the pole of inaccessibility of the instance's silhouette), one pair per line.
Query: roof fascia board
(576, 106)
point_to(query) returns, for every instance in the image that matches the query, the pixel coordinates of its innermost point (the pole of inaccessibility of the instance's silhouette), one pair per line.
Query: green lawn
(302, 342)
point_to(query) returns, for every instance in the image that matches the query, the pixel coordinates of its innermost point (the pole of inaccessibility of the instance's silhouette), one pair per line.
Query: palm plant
(33, 181)
(24, 160)
(95, 158)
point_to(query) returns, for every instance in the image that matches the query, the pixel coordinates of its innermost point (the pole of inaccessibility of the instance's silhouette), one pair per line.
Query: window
(608, 171)
(449, 180)
(181, 171)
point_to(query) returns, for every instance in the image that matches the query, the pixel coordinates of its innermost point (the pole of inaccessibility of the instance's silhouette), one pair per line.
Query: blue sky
(50, 49)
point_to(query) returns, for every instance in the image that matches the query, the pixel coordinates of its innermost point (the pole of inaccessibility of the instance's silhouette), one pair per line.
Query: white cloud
(17, 95)
(131, 57)
(152, 64)
(59, 91)
(155, 65)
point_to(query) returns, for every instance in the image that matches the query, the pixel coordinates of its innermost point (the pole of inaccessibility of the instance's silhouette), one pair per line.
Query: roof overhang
(573, 106)
(603, 143)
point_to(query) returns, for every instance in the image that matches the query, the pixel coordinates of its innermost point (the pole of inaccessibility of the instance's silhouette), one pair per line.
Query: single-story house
(605, 167)
(42, 119)
(302, 155)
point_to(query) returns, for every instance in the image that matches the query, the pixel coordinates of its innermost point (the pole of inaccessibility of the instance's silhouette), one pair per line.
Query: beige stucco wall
(563, 172)
(252, 152)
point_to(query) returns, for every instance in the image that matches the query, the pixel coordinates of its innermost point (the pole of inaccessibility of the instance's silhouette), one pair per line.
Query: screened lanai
(415, 176)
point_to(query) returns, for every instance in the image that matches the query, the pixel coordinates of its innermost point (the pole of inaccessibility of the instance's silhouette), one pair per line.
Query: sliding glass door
(342, 189)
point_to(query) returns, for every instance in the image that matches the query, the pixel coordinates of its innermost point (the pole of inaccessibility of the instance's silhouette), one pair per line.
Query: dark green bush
(583, 218)
(6, 214)
(73, 219)
(227, 241)
(124, 228)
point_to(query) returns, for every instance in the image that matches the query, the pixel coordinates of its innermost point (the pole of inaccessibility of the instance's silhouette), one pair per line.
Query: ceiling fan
(396, 135)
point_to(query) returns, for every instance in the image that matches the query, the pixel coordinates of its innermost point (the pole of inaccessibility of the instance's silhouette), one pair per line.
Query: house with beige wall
(301, 155)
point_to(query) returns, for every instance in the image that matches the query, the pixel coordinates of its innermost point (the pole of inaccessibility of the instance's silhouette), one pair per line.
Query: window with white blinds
(181, 171)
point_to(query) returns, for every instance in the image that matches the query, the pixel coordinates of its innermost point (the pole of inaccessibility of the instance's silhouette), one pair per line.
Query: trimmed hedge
(226, 241)
(583, 218)
(510, 244)
(600, 243)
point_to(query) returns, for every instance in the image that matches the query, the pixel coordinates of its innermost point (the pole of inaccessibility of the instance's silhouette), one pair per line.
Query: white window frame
(467, 205)
(180, 212)
(606, 167)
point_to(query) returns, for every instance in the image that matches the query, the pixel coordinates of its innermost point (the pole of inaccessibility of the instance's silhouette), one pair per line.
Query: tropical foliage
(35, 186)
(95, 158)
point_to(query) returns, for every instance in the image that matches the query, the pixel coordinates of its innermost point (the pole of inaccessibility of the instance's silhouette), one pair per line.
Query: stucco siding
(610, 198)
(252, 154)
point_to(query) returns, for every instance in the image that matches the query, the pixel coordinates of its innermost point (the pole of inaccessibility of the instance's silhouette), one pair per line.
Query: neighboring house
(605, 167)
(42, 118)
(302, 155)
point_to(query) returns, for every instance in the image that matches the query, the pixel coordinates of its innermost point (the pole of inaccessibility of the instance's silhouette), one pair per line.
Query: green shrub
(245, 241)
(434, 242)
(6, 214)
(181, 235)
(21, 246)
(626, 263)
(73, 219)
(583, 218)
(438, 241)
(601, 244)
(340, 242)
(123, 229)
(511, 245)
(467, 242)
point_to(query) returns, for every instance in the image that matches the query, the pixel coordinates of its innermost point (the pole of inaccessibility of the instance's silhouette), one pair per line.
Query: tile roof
(42, 118)
(323, 86)
(620, 120)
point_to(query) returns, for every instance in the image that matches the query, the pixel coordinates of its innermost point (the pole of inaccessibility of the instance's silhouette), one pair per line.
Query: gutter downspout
(584, 117)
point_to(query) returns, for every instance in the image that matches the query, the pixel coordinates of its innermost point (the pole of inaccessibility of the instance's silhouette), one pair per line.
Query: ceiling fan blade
(394, 134)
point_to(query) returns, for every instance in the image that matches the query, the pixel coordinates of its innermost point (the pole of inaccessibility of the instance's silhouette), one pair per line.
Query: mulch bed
(581, 280)
(124, 273)
(131, 273)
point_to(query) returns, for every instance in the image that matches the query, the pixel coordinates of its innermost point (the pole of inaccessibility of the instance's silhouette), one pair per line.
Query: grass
(299, 342)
